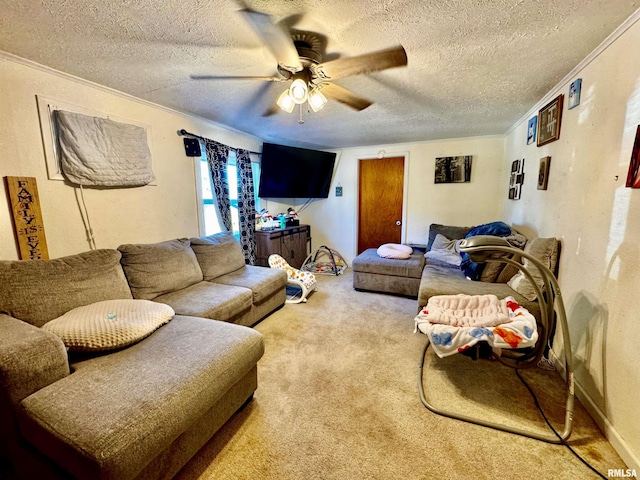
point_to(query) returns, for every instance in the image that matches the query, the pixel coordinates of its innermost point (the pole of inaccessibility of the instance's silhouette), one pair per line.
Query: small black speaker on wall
(192, 147)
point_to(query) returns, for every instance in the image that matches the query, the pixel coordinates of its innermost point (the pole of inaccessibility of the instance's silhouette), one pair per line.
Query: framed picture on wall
(633, 177)
(531, 130)
(574, 94)
(453, 169)
(549, 119)
(516, 179)
(543, 173)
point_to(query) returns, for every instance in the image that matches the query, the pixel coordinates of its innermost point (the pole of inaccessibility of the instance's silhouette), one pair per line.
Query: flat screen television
(291, 172)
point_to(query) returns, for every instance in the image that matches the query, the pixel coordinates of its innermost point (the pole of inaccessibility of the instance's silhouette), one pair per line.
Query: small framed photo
(574, 94)
(531, 130)
(543, 173)
(549, 119)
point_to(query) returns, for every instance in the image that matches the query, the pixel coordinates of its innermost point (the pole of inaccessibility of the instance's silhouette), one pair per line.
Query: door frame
(405, 188)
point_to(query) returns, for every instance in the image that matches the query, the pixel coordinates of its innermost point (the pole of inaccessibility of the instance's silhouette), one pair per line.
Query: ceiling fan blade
(344, 96)
(367, 63)
(275, 37)
(232, 77)
(272, 110)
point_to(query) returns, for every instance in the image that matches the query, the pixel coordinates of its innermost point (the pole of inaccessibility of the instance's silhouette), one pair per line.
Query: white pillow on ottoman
(109, 325)
(395, 250)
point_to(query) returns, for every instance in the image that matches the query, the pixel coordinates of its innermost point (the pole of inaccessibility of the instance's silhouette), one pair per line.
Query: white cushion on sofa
(395, 250)
(109, 325)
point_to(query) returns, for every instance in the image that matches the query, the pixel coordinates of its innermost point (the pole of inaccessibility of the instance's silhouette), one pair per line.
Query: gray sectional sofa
(422, 278)
(144, 409)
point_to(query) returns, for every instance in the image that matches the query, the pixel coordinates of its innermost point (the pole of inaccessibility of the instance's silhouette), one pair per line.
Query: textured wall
(132, 215)
(598, 220)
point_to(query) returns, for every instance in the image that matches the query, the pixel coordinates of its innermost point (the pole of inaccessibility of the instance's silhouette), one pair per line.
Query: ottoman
(388, 275)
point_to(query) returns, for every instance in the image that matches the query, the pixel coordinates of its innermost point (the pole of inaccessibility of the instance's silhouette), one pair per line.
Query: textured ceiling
(475, 66)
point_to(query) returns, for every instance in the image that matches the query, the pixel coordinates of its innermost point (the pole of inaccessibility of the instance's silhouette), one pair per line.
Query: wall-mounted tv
(291, 172)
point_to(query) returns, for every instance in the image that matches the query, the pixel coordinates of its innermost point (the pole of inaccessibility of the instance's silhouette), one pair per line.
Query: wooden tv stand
(289, 242)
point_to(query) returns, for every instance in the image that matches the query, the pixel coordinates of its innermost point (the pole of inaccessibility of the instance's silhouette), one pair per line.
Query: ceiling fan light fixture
(317, 100)
(285, 102)
(298, 91)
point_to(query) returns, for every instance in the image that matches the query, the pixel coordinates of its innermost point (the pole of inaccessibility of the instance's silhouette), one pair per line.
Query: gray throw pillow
(450, 231)
(543, 249)
(157, 268)
(218, 254)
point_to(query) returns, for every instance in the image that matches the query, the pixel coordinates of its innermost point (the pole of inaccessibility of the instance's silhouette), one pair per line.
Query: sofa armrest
(30, 359)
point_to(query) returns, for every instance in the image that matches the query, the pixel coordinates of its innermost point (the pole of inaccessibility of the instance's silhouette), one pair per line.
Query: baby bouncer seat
(521, 345)
(299, 282)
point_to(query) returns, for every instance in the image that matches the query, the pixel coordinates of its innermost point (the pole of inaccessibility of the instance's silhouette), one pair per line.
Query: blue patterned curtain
(217, 156)
(246, 206)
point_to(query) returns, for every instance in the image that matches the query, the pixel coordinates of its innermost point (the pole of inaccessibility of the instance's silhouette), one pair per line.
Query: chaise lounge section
(139, 410)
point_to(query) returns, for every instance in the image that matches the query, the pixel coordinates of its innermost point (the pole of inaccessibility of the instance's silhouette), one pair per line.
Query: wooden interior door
(381, 186)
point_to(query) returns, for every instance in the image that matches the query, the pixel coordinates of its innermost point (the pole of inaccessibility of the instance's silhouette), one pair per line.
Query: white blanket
(518, 331)
(467, 310)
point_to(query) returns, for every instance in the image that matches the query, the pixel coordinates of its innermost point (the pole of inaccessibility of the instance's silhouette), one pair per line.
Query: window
(210, 221)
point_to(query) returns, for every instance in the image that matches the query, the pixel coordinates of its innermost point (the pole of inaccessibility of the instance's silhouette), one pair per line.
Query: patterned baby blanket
(455, 323)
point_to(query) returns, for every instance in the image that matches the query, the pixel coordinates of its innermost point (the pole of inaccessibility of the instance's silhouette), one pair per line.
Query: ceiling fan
(301, 56)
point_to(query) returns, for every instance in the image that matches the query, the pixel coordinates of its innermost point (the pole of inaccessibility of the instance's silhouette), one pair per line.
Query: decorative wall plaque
(27, 218)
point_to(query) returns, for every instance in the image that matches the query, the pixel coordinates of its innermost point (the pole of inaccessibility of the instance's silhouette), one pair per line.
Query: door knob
(398, 222)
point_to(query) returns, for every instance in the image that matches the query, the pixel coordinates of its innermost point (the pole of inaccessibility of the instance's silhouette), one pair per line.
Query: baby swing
(522, 340)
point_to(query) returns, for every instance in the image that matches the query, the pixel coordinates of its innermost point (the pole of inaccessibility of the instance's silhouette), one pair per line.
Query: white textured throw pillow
(395, 250)
(109, 325)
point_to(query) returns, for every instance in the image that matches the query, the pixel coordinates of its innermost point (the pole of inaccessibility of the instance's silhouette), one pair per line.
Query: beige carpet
(338, 399)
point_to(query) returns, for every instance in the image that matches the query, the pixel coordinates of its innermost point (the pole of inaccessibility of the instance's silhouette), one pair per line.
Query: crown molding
(606, 43)
(69, 77)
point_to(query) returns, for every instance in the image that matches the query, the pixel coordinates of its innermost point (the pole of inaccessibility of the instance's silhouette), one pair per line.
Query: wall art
(531, 130)
(516, 179)
(549, 119)
(27, 218)
(453, 169)
(633, 177)
(574, 94)
(543, 173)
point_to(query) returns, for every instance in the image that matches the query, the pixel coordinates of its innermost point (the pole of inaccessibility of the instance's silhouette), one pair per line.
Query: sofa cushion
(209, 300)
(117, 412)
(369, 262)
(109, 325)
(449, 231)
(444, 252)
(157, 268)
(37, 291)
(218, 254)
(262, 281)
(543, 249)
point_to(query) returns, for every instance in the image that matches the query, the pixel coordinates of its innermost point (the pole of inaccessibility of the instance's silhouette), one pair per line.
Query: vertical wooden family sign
(27, 218)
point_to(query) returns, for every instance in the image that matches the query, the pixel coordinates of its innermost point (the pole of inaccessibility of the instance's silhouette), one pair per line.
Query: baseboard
(628, 455)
